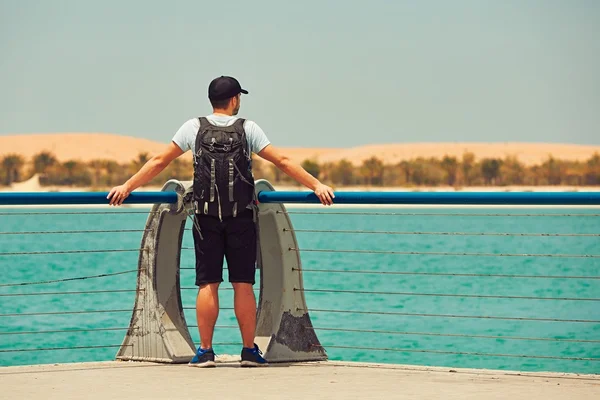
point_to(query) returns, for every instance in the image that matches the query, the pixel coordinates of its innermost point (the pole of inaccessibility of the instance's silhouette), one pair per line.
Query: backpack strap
(239, 126)
(204, 124)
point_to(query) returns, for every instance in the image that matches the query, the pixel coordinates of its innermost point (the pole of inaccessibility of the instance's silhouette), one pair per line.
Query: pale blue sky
(320, 73)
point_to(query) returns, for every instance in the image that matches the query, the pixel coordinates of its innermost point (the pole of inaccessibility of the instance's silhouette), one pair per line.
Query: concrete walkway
(326, 380)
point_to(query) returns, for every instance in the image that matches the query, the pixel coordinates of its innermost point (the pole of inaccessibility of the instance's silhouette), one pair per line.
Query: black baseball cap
(224, 87)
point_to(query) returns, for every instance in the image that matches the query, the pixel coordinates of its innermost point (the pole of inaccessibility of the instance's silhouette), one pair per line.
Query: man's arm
(299, 174)
(152, 168)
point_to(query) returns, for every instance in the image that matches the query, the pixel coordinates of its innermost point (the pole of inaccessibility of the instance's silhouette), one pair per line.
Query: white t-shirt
(185, 137)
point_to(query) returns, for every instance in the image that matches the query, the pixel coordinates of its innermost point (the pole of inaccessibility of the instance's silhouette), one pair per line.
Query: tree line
(450, 171)
(99, 174)
(447, 171)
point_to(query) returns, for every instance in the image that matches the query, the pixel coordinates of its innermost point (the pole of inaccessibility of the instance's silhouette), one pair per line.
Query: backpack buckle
(228, 147)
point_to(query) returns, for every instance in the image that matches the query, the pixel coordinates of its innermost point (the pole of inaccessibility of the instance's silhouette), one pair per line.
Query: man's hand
(325, 194)
(118, 194)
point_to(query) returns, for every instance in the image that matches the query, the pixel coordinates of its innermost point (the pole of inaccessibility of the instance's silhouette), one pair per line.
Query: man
(224, 224)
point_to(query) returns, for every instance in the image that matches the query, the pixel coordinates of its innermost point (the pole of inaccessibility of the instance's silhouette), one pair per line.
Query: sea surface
(383, 281)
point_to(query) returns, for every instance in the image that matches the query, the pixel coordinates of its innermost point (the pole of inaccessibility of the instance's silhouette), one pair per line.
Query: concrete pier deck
(319, 380)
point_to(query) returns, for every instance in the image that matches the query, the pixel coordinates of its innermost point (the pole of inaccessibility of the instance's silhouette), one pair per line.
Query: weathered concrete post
(158, 330)
(284, 329)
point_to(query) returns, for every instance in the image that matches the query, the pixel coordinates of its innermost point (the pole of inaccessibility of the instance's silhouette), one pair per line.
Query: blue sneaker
(252, 357)
(204, 358)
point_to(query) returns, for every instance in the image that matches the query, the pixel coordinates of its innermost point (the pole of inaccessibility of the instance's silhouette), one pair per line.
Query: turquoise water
(31, 268)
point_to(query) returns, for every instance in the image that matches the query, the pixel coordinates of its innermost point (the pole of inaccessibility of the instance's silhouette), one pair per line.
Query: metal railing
(495, 311)
(54, 292)
(452, 287)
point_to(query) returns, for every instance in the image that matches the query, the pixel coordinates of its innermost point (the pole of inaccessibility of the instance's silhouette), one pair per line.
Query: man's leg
(207, 312)
(210, 249)
(240, 251)
(244, 304)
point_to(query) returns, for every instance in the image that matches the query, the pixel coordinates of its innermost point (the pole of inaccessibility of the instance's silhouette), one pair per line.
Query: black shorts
(234, 238)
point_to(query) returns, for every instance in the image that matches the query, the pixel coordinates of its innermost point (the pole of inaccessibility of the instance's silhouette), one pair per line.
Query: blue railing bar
(470, 198)
(62, 198)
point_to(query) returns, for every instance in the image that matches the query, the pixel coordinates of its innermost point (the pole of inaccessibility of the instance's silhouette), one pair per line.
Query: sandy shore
(33, 185)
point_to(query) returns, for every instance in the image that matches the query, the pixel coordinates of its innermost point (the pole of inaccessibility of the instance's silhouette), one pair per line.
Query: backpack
(223, 180)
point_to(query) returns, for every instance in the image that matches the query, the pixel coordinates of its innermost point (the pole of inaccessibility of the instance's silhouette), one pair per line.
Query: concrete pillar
(158, 330)
(284, 329)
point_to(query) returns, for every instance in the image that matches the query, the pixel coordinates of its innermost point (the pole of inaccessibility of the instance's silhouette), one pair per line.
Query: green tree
(490, 169)
(115, 174)
(574, 173)
(552, 171)
(512, 172)
(393, 175)
(42, 161)
(427, 172)
(75, 173)
(13, 168)
(534, 175)
(592, 170)
(342, 173)
(312, 167)
(325, 172)
(97, 171)
(468, 164)
(372, 171)
(407, 168)
(70, 167)
(450, 166)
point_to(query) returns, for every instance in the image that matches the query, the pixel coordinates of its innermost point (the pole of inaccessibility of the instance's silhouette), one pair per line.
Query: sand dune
(80, 146)
(528, 153)
(88, 146)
